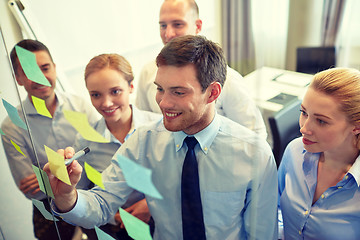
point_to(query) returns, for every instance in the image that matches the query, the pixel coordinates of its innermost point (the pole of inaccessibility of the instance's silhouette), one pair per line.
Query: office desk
(272, 88)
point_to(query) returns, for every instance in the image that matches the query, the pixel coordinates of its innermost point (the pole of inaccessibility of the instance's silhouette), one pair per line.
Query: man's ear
(214, 91)
(198, 24)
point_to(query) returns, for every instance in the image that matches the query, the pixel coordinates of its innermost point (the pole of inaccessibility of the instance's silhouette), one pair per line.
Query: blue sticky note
(138, 177)
(28, 63)
(102, 235)
(14, 115)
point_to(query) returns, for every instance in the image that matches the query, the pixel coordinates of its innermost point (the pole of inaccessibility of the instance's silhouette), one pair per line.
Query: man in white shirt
(179, 18)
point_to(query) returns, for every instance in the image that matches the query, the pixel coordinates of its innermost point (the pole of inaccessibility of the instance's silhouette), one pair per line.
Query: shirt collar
(30, 109)
(355, 170)
(205, 137)
(102, 128)
(309, 159)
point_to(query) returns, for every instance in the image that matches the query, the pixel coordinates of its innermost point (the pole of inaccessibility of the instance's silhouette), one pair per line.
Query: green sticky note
(14, 115)
(93, 175)
(28, 63)
(40, 205)
(45, 186)
(135, 228)
(102, 235)
(80, 122)
(17, 147)
(40, 106)
(1, 132)
(57, 165)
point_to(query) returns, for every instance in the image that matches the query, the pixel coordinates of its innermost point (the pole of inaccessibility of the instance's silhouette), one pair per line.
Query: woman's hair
(343, 84)
(112, 61)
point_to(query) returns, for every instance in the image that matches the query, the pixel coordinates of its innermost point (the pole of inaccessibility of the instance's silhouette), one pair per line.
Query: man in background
(55, 132)
(179, 18)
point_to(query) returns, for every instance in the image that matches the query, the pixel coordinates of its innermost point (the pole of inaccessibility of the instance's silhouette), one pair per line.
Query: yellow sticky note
(81, 124)
(17, 148)
(57, 165)
(93, 175)
(40, 106)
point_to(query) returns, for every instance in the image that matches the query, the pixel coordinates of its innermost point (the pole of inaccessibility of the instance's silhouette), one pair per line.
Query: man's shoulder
(239, 133)
(232, 74)
(149, 67)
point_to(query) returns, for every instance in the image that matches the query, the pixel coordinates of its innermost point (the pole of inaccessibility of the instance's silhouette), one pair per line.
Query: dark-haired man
(55, 132)
(236, 177)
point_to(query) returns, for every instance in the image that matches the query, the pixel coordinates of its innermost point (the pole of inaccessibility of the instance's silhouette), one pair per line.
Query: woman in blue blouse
(319, 176)
(109, 80)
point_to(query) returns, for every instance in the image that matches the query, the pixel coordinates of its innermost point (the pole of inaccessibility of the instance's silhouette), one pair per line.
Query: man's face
(47, 67)
(177, 19)
(183, 104)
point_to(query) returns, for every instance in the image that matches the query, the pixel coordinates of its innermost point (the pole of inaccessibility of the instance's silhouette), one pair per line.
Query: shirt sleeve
(20, 165)
(141, 100)
(261, 203)
(236, 104)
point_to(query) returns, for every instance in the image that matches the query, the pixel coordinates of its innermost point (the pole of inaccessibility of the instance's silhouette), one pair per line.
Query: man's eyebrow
(45, 65)
(172, 88)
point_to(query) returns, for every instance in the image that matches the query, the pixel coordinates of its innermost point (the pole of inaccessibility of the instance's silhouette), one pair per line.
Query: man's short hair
(207, 56)
(30, 45)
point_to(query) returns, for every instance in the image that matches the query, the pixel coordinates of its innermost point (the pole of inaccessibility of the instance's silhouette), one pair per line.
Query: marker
(77, 155)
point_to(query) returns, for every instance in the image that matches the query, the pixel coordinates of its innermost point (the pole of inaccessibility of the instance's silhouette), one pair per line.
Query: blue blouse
(335, 215)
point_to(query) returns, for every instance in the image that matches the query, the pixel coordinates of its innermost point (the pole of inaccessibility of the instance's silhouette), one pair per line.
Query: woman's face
(110, 93)
(323, 126)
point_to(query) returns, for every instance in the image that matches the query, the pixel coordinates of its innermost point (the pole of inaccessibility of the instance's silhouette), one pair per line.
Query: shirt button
(205, 148)
(299, 232)
(306, 212)
(177, 145)
(339, 187)
(346, 177)
(322, 196)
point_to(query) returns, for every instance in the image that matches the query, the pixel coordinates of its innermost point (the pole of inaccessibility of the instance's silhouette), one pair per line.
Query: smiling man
(234, 171)
(55, 132)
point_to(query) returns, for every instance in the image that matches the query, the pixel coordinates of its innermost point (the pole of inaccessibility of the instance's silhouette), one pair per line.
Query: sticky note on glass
(93, 175)
(40, 205)
(102, 235)
(43, 180)
(14, 115)
(135, 228)
(28, 63)
(40, 106)
(57, 165)
(80, 122)
(138, 177)
(17, 147)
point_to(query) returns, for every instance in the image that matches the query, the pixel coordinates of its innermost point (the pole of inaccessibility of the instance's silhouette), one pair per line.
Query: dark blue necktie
(192, 214)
